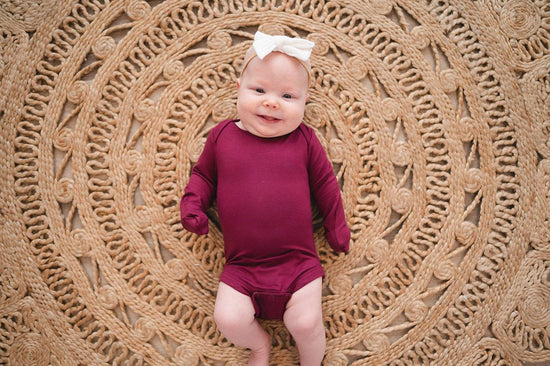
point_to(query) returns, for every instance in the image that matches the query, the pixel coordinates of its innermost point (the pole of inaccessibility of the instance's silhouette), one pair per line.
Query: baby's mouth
(269, 118)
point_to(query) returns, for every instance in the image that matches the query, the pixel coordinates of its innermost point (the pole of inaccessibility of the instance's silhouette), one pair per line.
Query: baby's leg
(234, 315)
(304, 320)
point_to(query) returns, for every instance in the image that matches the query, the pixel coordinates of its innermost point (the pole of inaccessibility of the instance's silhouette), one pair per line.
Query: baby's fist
(196, 223)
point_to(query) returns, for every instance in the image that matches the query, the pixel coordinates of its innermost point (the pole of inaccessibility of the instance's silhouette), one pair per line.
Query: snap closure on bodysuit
(270, 305)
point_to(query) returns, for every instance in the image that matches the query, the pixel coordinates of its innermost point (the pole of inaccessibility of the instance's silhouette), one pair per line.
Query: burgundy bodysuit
(263, 189)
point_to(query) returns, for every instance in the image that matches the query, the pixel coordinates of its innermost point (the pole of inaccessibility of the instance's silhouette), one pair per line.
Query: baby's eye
(259, 90)
(287, 96)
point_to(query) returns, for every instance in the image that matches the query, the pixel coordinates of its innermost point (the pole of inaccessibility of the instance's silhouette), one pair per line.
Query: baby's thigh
(232, 308)
(304, 310)
(308, 297)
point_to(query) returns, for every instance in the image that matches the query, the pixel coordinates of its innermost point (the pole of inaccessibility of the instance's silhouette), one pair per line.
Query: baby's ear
(238, 83)
(307, 97)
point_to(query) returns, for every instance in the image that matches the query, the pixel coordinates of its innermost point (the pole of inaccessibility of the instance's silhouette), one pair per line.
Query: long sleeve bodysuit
(263, 189)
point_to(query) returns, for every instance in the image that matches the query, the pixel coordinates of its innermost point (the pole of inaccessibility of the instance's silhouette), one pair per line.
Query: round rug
(435, 115)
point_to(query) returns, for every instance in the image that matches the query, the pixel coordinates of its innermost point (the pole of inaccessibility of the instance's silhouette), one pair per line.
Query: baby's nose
(272, 104)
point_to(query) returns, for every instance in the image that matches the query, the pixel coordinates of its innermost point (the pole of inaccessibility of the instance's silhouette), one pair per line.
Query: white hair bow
(264, 44)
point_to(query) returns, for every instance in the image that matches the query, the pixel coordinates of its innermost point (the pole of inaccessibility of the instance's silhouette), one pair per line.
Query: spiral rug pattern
(435, 115)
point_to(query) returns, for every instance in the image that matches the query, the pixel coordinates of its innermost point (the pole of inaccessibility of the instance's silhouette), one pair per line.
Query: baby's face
(272, 95)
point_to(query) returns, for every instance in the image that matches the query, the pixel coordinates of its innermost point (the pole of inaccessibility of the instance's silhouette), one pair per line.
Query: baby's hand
(196, 223)
(339, 238)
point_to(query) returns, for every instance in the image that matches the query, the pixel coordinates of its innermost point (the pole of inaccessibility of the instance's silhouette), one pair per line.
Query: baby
(263, 169)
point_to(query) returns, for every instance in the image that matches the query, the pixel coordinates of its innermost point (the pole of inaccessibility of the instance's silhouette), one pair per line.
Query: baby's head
(273, 87)
(297, 48)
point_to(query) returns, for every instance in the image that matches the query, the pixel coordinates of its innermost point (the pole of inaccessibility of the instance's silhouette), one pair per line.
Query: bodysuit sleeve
(200, 191)
(326, 193)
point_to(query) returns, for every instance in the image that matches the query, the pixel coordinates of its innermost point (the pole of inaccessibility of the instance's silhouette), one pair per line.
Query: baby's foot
(259, 357)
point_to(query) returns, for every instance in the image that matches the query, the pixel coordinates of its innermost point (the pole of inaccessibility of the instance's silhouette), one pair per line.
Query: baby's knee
(306, 326)
(226, 319)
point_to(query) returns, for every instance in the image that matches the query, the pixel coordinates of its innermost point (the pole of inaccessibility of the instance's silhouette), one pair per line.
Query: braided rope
(435, 115)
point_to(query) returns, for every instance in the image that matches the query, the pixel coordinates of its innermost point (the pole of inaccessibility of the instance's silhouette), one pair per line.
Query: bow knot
(299, 48)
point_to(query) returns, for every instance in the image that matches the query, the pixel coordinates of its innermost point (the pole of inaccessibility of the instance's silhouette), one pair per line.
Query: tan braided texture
(435, 114)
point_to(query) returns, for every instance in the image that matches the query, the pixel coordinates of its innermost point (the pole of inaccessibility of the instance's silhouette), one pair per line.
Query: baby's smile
(269, 118)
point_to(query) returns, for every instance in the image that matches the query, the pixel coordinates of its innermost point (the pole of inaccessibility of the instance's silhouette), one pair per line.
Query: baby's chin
(271, 133)
(267, 135)
(269, 130)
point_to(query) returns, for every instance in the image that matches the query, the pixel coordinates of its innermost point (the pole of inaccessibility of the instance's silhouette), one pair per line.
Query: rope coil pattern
(435, 115)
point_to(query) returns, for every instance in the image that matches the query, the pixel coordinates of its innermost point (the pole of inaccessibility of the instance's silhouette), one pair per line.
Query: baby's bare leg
(234, 315)
(304, 320)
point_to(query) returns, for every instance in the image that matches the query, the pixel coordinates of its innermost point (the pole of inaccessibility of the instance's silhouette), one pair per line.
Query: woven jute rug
(435, 114)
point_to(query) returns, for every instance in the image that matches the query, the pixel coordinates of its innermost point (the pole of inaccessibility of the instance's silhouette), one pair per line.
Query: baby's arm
(326, 193)
(199, 192)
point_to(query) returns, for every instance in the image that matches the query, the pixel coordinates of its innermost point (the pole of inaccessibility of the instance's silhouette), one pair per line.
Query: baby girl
(263, 169)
